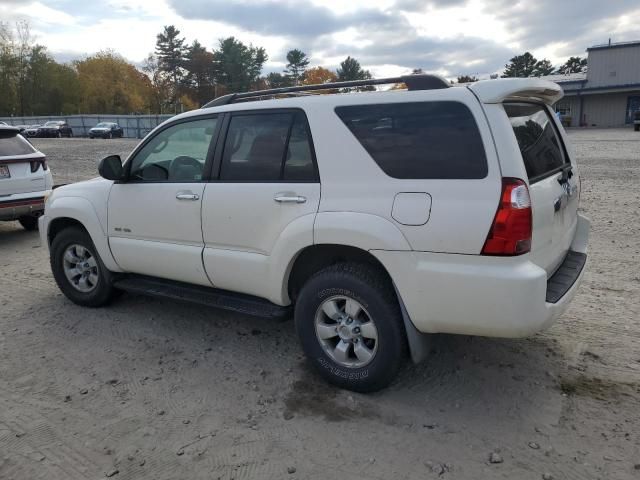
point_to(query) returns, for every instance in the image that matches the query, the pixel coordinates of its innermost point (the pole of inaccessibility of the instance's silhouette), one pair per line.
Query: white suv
(25, 179)
(380, 217)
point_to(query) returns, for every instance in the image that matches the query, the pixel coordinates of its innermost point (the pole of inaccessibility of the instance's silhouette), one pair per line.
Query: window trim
(222, 140)
(482, 139)
(567, 165)
(206, 169)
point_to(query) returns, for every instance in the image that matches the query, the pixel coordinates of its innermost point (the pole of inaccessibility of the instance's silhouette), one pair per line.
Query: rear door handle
(188, 196)
(283, 198)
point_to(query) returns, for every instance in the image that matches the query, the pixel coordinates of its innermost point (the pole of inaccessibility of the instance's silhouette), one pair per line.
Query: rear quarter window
(537, 138)
(12, 144)
(419, 140)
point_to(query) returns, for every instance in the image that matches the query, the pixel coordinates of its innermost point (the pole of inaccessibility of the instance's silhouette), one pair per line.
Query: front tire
(636, 128)
(350, 326)
(29, 222)
(78, 269)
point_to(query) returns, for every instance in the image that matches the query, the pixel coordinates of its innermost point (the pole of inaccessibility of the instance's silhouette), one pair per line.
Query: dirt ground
(152, 389)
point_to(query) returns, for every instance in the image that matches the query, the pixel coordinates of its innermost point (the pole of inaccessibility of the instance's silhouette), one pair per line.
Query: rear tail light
(510, 233)
(35, 164)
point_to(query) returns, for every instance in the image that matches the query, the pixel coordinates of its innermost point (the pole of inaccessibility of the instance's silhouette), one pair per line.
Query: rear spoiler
(499, 90)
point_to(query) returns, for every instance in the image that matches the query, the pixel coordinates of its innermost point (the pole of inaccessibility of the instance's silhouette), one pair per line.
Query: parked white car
(381, 217)
(25, 179)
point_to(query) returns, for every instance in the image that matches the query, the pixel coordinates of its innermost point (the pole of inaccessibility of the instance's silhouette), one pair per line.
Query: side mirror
(111, 168)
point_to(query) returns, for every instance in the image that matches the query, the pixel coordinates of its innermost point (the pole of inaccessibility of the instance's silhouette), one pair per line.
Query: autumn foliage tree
(110, 84)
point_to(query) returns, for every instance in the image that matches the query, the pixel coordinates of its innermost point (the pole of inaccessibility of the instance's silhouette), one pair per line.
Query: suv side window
(537, 138)
(419, 140)
(298, 165)
(268, 147)
(176, 154)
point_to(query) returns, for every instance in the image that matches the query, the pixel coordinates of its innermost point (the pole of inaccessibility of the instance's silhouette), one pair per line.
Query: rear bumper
(19, 205)
(480, 295)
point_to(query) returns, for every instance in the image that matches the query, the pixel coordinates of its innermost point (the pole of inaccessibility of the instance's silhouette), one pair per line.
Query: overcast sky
(450, 37)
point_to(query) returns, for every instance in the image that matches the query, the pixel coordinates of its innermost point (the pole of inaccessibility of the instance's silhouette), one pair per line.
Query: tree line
(526, 65)
(177, 76)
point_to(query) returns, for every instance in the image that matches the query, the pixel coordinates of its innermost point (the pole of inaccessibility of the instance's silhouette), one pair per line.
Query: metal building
(606, 95)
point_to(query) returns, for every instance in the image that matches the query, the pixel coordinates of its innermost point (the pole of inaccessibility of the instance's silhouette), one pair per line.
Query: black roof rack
(413, 82)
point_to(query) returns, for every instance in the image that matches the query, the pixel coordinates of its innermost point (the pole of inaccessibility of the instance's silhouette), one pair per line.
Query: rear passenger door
(265, 182)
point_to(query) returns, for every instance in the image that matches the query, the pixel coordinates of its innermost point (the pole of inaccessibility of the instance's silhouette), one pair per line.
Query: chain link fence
(134, 126)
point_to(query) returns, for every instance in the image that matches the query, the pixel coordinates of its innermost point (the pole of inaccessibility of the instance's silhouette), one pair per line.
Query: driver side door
(154, 216)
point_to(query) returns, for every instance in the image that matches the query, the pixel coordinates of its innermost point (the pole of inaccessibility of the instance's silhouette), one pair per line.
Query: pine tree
(573, 65)
(350, 69)
(520, 66)
(171, 52)
(298, 63)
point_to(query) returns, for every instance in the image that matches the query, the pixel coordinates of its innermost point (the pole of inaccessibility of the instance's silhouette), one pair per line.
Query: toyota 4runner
(378, 217)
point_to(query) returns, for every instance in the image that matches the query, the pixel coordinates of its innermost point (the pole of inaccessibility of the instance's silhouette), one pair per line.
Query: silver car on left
(25, 179)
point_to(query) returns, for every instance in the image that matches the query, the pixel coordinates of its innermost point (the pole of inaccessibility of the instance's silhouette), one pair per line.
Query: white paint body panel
(151, 232)
(478, 295)
(247, 233)
(85, 202)
(461, 210)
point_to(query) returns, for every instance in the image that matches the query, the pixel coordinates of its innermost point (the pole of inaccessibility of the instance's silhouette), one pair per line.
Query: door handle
(188, 196)
(282, 198)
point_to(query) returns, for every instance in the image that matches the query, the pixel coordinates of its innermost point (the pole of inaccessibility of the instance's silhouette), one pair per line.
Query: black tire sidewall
(383, 310)
(103, 292)
(29, 223)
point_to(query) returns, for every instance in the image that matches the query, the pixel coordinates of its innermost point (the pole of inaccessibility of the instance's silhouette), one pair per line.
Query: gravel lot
(154, 389)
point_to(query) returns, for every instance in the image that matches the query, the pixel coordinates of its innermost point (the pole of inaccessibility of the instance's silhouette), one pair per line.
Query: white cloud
(389, 37)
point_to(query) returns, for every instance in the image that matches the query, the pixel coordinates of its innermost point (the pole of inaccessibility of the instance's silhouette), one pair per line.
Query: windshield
(52, 124)
(103, 125)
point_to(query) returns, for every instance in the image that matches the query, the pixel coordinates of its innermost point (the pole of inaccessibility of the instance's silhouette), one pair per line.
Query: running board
(210, 297)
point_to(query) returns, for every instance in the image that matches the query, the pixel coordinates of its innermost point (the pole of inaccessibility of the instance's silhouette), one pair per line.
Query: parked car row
(59, 129)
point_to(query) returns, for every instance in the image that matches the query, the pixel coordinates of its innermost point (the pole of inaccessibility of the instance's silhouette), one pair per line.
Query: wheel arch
(66, 212)
(314, 258)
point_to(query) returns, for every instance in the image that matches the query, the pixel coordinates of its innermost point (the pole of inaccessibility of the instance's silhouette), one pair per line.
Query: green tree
(201, 72)
(520, 66)
(277, 80)
(543, 68)
(238, 65)
(467, 79)
(350, 69)
(171, 52)
(8, 71)
(573, 65)
(296, 66)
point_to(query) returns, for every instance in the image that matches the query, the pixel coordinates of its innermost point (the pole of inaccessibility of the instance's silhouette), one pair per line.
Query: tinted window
(12, 144)
(176, 154)
(267, 147)
(537, 139)
(419, 140)
(299, 165)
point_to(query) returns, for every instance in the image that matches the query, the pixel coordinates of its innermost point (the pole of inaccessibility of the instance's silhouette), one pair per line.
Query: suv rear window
(537, 138)
(12, 144)
(419, 140)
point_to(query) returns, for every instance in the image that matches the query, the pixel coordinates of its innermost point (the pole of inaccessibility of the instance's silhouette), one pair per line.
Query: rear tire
(364, 358)
(29, 222)
(636, 128)
(73, 252)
